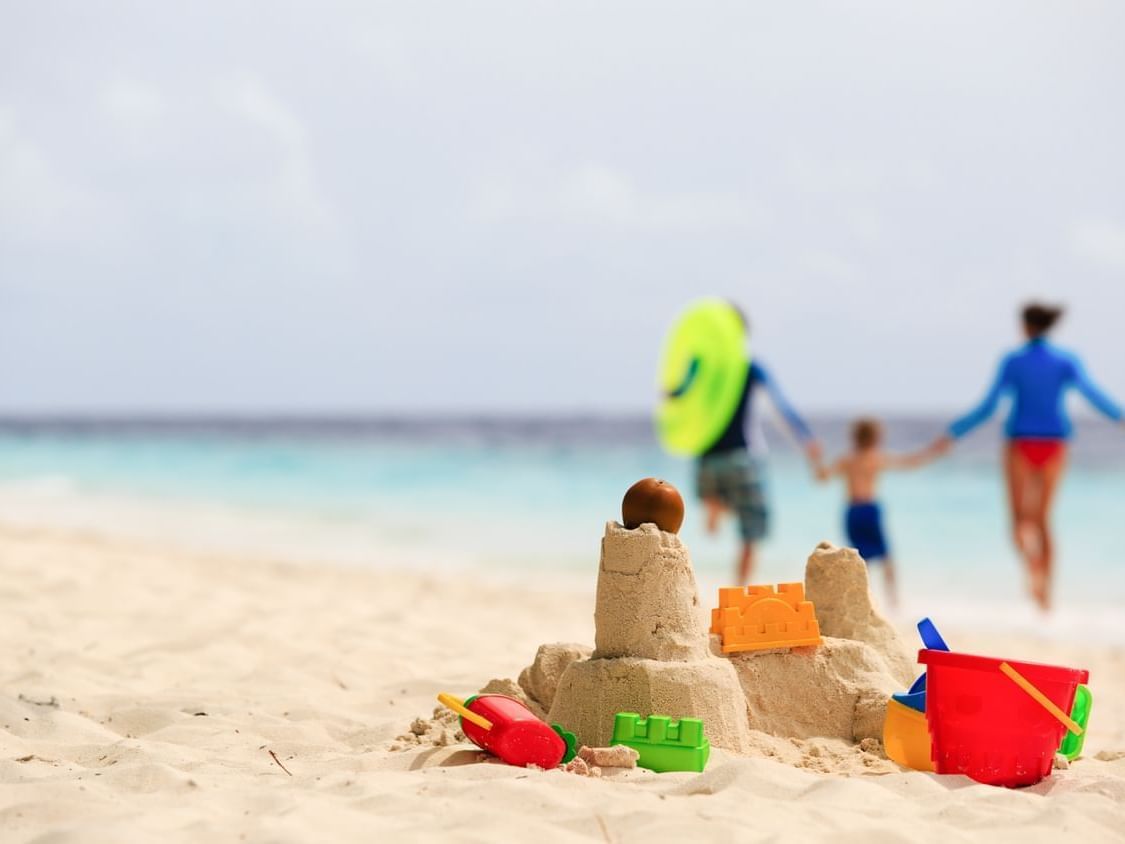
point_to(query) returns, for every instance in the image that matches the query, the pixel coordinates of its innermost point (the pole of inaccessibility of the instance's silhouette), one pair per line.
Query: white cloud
(866, 225)
(384, 50)
(822, 175)
(601, 196)
(828, 267)
(36, 202)
(810, 174)
(1100, 242)
(494, 200)
(297, 188)
(132, 101)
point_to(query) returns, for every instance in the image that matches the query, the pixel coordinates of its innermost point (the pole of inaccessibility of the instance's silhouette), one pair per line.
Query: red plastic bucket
(517, 736)
(985, 726)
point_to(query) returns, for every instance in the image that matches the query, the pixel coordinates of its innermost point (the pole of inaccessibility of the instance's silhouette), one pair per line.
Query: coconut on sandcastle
(652, 654)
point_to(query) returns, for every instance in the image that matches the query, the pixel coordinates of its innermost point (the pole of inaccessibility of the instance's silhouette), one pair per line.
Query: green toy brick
(663, 744)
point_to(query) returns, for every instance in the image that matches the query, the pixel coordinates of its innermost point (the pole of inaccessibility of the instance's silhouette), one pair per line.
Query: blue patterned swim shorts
(738, 480)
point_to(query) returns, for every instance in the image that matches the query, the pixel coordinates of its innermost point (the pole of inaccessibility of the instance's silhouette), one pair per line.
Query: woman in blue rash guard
(1036, 377)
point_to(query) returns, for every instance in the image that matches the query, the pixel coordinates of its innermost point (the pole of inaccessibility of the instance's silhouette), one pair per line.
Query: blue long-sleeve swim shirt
(1036, 377)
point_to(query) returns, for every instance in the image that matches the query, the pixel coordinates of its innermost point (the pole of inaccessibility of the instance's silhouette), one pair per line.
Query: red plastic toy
(505, 727)
(988, 725)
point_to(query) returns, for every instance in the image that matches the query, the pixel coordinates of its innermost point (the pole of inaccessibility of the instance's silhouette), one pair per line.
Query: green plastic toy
(1071, 746)
(703, 371)
(663, 744)
(570, 739)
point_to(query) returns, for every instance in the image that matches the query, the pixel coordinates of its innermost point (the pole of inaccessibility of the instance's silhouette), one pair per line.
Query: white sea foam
(209, 526)
(531, 503)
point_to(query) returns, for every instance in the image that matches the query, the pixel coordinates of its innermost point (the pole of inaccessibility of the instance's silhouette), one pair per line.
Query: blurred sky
(232, 206)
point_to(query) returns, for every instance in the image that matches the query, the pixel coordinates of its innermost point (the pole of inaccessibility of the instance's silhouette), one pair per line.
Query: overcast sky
(225, 206)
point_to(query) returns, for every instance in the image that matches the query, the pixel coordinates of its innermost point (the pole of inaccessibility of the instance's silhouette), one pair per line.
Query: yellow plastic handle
(458, 706)
(1040, 698)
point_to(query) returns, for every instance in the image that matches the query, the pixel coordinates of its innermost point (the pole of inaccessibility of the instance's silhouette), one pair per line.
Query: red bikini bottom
(1039, 452)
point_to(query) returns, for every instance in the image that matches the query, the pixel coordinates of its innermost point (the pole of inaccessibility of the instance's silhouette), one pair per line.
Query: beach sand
(143, 690)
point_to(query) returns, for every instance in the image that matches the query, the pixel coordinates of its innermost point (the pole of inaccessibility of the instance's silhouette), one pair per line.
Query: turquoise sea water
(532, 496)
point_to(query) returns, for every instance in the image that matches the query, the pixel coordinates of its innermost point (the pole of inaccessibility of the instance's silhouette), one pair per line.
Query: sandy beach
(146, 693)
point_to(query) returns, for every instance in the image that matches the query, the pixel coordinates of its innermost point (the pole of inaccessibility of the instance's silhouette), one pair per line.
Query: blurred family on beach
(1035, 377)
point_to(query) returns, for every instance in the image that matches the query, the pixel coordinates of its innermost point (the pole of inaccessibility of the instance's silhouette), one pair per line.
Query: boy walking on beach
(860, 469)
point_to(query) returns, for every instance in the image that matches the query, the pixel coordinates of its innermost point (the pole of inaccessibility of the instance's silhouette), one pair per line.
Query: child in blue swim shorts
(863, 519)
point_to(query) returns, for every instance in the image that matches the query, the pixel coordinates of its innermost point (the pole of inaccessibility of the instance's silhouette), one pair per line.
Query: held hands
(814, 453)
(940, 446)
(923, 456)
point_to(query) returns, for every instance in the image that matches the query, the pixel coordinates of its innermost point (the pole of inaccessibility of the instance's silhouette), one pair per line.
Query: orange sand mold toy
(758, 617)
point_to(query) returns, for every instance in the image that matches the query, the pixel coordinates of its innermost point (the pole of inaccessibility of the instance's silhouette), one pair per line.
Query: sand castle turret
(836, 581)
(647, 603)
(652, 652)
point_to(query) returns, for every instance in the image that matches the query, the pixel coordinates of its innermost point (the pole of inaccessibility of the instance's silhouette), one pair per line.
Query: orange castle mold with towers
(759, 617)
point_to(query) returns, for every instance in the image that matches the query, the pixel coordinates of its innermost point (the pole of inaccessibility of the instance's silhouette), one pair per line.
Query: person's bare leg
(1050, 478)
(745, 563)
(889, 582)
(715, 509)
(1036, 541)
(1015, 471)
(1023, 529)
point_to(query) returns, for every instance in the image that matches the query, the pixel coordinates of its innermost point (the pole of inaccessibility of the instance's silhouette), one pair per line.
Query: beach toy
(758, 617)
(999, 726)
(703, 370)
(569, 738)
(653, 500)
(1072, 743)
(1041, 698)
(663, 744)
(906, 737)
(930, 636)
(915, 698)
(506, 728)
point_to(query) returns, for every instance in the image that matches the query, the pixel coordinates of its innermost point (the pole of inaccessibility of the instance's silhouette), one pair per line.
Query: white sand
(325, 666)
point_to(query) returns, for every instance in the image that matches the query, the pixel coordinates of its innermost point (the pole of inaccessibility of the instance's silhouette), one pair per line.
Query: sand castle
(654, 654)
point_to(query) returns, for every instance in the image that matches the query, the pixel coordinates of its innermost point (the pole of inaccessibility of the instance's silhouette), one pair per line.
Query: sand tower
(652, 653)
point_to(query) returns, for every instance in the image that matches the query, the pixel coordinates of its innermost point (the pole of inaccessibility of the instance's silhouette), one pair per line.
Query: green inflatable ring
(703, 370)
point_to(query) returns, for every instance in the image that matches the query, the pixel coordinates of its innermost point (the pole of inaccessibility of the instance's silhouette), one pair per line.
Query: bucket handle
(458, 706)
(1040, 698)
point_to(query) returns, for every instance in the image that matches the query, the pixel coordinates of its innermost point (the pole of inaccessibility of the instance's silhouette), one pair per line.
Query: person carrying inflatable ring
(709, 384)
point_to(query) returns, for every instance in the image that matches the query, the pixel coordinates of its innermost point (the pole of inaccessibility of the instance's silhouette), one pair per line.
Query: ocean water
(529, 498)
